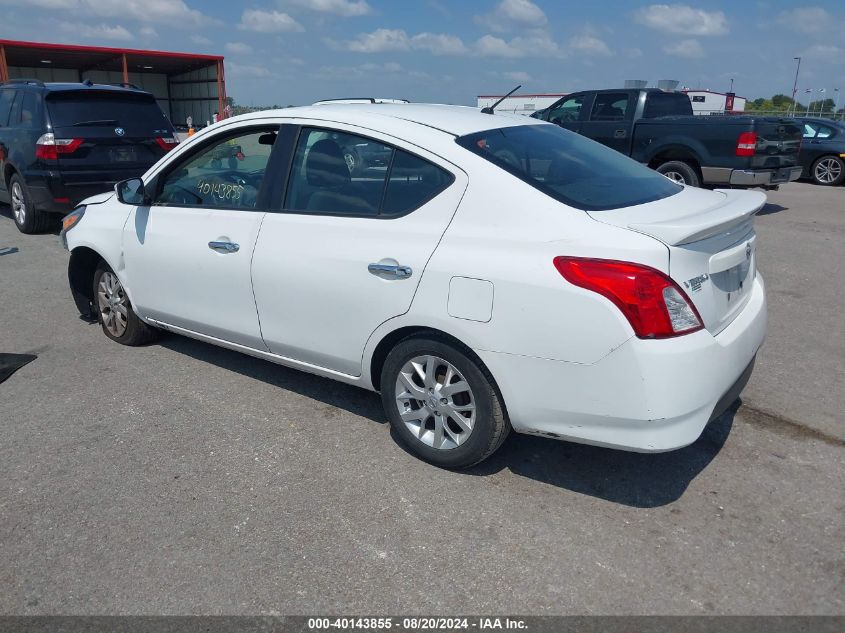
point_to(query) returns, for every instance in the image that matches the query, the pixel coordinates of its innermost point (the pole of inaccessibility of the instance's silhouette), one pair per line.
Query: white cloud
(199, 39)
(98, 31)
(689, 48)
(518, 75)
(384, 40)
(268, 22)
(245, 70)
(345, 8)
(588, 43)
(830, 52)
(683, 19)
(438, 43)
(379, 41)
(148, 32)
(238, 48)
(172, 12)
(46, 4)
(808, 20)
(509, 14)
(536, 45)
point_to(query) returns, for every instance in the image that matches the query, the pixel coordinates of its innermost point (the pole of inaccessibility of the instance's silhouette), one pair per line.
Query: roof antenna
(490, 109)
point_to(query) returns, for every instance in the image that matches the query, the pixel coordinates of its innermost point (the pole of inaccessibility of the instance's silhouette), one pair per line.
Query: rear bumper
(750, 177)
(644, 396)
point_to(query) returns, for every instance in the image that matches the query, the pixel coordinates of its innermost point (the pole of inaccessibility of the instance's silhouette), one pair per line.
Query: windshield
(569, 167)
(138, 114)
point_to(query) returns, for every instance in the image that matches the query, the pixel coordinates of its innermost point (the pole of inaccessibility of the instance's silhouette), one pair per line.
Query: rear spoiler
(738, 207)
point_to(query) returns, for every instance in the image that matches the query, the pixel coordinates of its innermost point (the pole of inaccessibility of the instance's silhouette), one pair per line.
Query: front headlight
(70, 221)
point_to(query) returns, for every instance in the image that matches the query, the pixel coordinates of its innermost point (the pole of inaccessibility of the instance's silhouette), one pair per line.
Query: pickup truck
(658, 128)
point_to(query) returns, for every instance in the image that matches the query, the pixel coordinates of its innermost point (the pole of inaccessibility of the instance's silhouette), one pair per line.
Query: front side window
(568, 111)
(226, 173)
(609, 106)
(810, 130)
(345, 174)
(569, 167)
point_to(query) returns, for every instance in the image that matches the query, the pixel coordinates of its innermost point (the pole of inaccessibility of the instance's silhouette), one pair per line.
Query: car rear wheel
(443, 405)
(828, 171)
(681, 172)
(115, 313)
(28, 219)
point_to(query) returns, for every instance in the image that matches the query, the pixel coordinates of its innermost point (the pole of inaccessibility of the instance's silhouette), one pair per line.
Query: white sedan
(482, 272)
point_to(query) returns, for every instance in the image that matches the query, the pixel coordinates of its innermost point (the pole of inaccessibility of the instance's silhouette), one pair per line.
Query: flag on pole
(821, 89)
(808, 90)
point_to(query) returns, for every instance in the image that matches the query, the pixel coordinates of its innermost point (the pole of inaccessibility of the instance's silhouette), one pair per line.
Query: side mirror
(131, 192)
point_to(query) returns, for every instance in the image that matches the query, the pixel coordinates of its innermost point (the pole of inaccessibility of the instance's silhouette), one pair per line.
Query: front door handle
(224, 247)
(390, 271)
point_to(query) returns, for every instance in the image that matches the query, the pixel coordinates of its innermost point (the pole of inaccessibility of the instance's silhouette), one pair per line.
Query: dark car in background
(658, 128)
(63, 142)
(823, 151)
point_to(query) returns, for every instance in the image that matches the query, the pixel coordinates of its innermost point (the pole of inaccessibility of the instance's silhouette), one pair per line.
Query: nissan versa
(492, 273)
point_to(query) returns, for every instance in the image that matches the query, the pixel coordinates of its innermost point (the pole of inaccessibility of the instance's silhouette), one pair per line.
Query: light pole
(835, 102)
(795, 84)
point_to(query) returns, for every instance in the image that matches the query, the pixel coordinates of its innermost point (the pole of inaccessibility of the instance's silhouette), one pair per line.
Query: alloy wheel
(112, 304)
(676, 177)
(435, 402)
(828, 170)
(18, 203)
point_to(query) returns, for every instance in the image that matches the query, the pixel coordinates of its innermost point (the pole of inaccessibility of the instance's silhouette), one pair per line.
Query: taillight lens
(167, 143)
(746, 144)
(654, 305)
(48, 147)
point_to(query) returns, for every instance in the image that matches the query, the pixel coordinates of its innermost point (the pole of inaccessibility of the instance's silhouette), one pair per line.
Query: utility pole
(835, 102)
(795, 85)
(732, 85)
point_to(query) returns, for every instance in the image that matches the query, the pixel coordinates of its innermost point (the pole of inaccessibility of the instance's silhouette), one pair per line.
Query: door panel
(610, 120)
(176, 278)
(188, 256)
(317, 294)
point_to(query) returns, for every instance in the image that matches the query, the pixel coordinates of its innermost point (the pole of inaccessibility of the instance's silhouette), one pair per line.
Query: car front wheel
(828, 171)
(442, 404)
(115, 313)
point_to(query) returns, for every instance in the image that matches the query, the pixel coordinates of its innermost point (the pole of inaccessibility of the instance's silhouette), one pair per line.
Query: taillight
(167, 143)
(746, 144)
(654, 305)
(48, 147)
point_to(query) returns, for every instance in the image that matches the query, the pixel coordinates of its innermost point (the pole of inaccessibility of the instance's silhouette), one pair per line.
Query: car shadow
(639, 480)
(770, 208)
(632, 479)
(55, 227)
(337, 394)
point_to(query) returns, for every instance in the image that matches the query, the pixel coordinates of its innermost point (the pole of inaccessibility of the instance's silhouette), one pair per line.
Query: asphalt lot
(181, 478)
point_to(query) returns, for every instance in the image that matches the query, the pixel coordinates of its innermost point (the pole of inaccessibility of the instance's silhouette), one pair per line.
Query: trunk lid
(711, 241)
(778, 143)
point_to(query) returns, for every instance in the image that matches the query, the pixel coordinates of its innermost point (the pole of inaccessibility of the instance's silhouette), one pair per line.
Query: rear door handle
(224, 247)
(390, 271)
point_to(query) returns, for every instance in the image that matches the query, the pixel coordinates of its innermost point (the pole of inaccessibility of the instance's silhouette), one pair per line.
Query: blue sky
(298, 51)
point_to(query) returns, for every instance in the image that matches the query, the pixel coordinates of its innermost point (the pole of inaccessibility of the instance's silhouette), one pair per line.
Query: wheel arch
(675, 152)
(81, 267)
(394, 337)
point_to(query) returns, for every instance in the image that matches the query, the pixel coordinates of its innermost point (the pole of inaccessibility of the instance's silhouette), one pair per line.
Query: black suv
(63, 142)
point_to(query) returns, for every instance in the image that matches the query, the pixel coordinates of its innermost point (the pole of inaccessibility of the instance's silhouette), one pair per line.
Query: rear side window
(29, 117)
(569, 167)
(137, 114)
(610, 106)
(412, 182)
(667, 104)
(6, 99)
(337, 173)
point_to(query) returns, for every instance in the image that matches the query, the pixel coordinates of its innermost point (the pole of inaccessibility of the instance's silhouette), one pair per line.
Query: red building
(184, 84)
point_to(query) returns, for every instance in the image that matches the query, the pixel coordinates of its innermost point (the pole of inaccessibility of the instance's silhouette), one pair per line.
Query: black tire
(491, 425)
(681, 172)
(28, 218)
(136, 332)
(824, 170)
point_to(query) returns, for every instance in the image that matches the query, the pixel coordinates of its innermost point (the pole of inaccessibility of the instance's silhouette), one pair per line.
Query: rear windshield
(666, 104)
(138, 114)
(569, 167)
